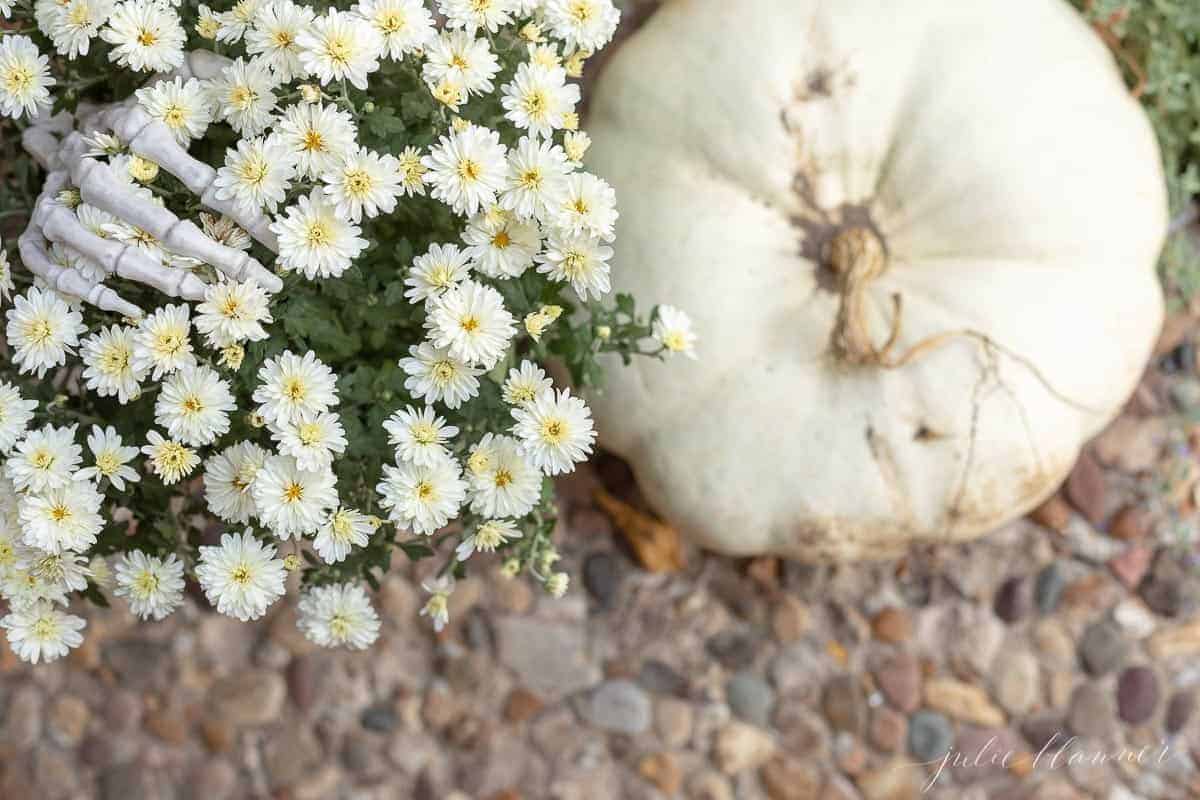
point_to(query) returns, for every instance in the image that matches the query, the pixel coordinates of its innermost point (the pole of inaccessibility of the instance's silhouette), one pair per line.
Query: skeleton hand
(60, 144)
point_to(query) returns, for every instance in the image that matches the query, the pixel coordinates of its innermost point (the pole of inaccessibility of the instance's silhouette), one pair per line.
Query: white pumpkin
(809, 180)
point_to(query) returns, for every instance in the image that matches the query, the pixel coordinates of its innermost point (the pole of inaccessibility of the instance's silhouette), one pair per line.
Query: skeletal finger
(100, 187)
(66, 280)
(151, 139)
(59, 224)
(42, 139)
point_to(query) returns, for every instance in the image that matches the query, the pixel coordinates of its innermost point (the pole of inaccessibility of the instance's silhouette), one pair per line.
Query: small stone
(306, 677)
(247, 697)
(380, 718)
(139, 663)
(1137, 694)
(1132, 444)
(1103, 647)
(1048, 588)
(734, 649)
(550, 658)
(656, 676)
(619, 706)
(1092, 713)
(790, 779)
(930, 736)
(477, 630)
(1087, 489)
(442, 707)
(1175, 641)
(513, 595)
(219, 736)
(1131, 566)
(1052, 514)
(800, 668)
(1170, 590)
(709, 785)
(68, 720)
(1061, 685)
(963, 701)
(673, 721)
(899, 678)
(602, 578)
(521, 705)
(849, 753)
(1042, 730)
(1014, 679)
(362, 756)
(1179, 711)
(976, 635)
(662, 770)
(844, 704)
(1135, 618)
(895, 781)
(168, 724)
(740, 746)
(290, 755)
(790, 619)
(750, 698)
(1014, 600)
(212, 779)
(888, 729)
(801, 732)
(128, 781)
(838, 788)
(1131, 523)
(23, 718)
(1054, 644)
(892, 625)
(1085, 542)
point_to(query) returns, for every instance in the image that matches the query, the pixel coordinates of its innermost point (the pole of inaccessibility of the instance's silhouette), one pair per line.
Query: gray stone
(1015, 680)
(1138, 694)
(55, 774)
(292, 753)
(380, 718)
(1048, 589)
(844, 705)
(619, 706)
(899, 678)
(750, 698)
(247, 697)
(1179, 710)
(133, 780)
(673, 721)
(930, 736)
(213, 779)
(1092, 713)
(1103, 647)
(1169, 589)
(657, 676)
(140, 664)
(549, 657)
(23, 718)
(734, 649)
(602, 578)
(1014, 599)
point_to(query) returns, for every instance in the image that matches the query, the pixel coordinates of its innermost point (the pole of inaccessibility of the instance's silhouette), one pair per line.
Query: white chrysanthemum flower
(582, 24)
(208, 22)
(340, 46)
(539, 98)
(315, 240)
(672, 329)
(25, 78)
(146, 36)
(224, 230)
(15, 414)
(471, 321)
(505, 484)
(78, 23)
(459, 59)
(110, 459)
(67, 571)
(405, 25)
(555, 431)
(162, 344)
(419, 436)
(45, 459)
(536, 183)
(42, 329)
(95, 220)
(340, 615)
(108, 358)
(233, 312)
(6, 279)
(257, 174)
(318, 135)
(63, 518)
(235, 22)
(45, 13)
(412, 172)
(180, 105)
(153, 586)
(22, 588)
(580, 260)
(292, 384)
(525, 384)
(193, 405)
(364, 183)
(244, 95)
(444, 266)
(434, 374)
(557, 584)
(525, 8)
(341, 532)
(589, 205)
(169, 460)
(241, 577)
(40, 632)
(466, 169)
(313, 439)
(437, 608)
(472, 15)
(229, 480)
(576, 145)
(423, 497)
(487, 537)
(501, 245)
(274, 36)
(293, 501)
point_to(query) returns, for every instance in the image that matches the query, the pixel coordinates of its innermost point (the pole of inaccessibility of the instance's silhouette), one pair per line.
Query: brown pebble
(790, 619)
(167, 724)
(662, 770)
(1054, 514)
(521, 705)
(790, 779)
(218, 735)
(1130, 523)
(892, 625)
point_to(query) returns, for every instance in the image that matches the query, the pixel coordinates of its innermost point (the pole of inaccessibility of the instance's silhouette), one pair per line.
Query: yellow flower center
(468, 170)
(318, 234)
(293, 492)
(39, 331)
(60, 513)
(502, 478)
(145, 584)
(358, 182)
(314, 141)
(469, 324)
(554, 431)
(501, 240)
(425, 490)
(147, 38)
(240, 575)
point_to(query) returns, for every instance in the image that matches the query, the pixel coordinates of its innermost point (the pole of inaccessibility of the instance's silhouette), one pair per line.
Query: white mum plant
(413, 174)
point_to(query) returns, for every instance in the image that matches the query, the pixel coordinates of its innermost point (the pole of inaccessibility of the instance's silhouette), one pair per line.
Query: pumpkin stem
(857, 256)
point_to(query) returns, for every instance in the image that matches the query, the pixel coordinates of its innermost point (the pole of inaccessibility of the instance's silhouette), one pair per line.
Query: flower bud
(291, 562)
(232, 356)
(603, 332)
(142, 170)
(310, 93)
(511, 568)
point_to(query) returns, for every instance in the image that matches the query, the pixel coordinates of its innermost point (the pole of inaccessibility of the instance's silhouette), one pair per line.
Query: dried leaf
(655, 544)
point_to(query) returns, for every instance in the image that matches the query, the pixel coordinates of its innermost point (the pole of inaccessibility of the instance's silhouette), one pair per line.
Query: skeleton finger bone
(69, 281)
(59, 224)
(43, 139)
